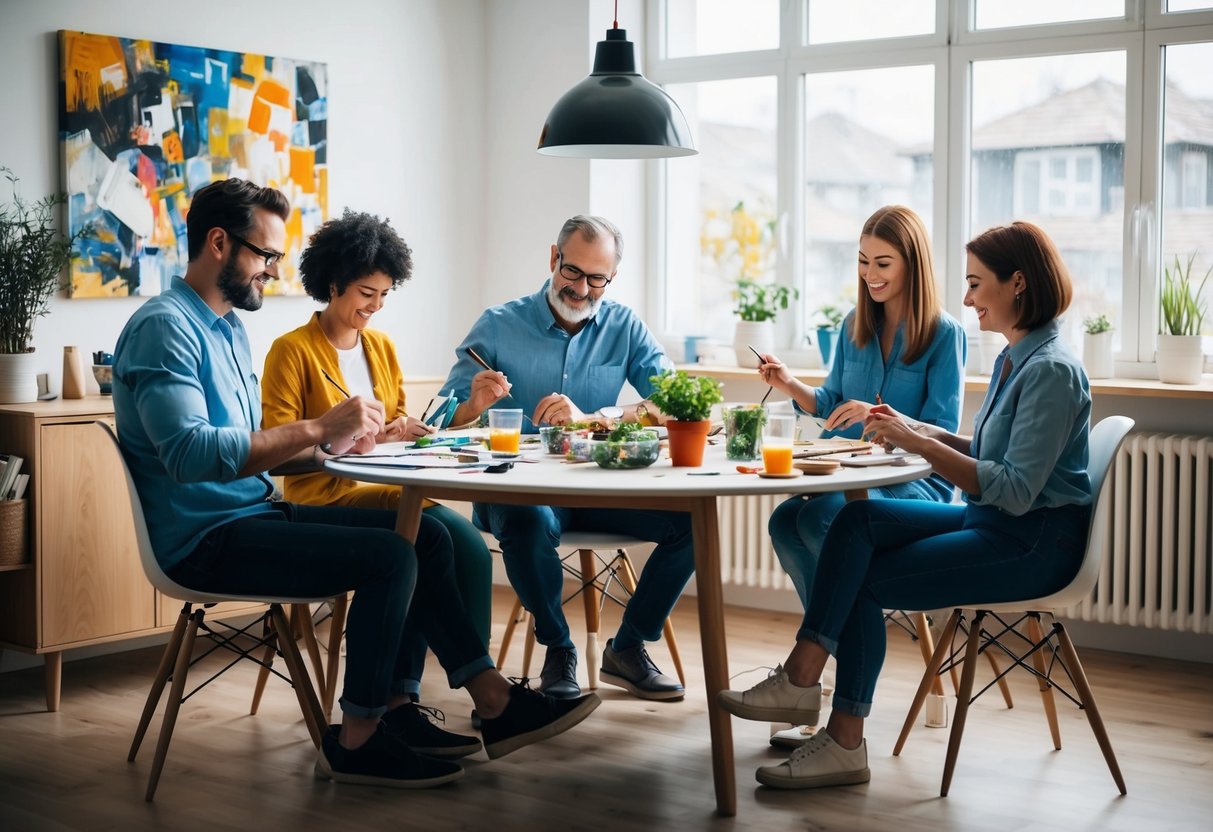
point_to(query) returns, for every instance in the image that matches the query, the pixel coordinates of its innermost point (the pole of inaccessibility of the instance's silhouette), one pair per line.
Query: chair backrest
(147, 555)
(1106, 439)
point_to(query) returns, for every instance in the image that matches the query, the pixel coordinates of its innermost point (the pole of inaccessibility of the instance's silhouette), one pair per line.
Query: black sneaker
(413, 725)
(530, 717)
(381, 761)
(559, 677)
(634, 671)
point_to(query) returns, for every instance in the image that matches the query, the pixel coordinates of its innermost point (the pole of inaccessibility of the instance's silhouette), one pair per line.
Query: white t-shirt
(356, 371)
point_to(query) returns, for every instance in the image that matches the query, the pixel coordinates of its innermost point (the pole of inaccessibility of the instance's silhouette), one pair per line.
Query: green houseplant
(32, 256)
(1181, 306)
(831, 318)
(1097, 346)
(687, 400)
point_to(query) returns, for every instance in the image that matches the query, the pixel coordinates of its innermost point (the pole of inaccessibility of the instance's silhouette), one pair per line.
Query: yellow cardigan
(293, 388)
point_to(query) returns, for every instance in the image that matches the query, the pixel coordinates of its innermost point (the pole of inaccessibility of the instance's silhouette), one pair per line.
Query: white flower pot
(18, 378)
(757, 334)
(1180, 360)
(1097, 354)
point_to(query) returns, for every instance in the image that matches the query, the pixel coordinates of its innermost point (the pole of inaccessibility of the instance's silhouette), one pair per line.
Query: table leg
(706, 532)
(408, 515)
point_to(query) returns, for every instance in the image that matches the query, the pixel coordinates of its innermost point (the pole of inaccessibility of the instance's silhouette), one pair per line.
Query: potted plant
(1182, 310)
(687, 401)
(1097, 346)
(32, 255)
(828, 330)
(756, 307)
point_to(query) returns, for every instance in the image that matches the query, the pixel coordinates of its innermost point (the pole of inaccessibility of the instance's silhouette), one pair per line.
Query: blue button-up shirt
(928, 389)
(523, 340)
(186, 401)
(1030, 438)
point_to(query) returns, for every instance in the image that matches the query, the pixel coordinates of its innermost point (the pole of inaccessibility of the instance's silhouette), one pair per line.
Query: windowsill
(1137, 387)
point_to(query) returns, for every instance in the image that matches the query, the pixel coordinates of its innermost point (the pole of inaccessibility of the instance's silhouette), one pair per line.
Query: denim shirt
(1030, 437)
(523, 340)
(929, 389)
(186, 401)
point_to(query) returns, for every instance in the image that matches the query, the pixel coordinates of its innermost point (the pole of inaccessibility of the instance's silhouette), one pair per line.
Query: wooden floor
(632, 765)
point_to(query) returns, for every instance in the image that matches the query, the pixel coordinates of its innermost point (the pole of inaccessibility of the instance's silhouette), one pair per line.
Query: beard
(572, 314)
(236, 290)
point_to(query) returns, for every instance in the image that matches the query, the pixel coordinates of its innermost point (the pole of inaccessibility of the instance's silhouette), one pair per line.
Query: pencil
(479, 360)
(335, 384)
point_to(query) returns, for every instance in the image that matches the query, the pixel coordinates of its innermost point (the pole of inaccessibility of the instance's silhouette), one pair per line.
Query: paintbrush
(762, 361)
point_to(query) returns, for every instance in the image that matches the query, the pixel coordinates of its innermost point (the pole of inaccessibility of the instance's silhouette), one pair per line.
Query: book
(8, 477)
(19, 489)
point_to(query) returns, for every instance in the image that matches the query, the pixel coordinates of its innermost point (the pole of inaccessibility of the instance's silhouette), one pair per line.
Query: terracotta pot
(687, 442)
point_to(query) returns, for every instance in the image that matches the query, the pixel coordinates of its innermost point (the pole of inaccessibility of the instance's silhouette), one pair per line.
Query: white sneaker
(775, 699)
(794, 737)
(819, 762)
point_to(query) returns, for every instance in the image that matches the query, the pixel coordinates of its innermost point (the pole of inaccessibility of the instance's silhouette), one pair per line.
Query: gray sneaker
(634, 671)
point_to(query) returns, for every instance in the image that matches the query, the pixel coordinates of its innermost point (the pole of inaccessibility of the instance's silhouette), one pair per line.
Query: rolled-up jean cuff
(460, 676)
(407, 687)
(847, 706)
(830, 645)
(350, 709)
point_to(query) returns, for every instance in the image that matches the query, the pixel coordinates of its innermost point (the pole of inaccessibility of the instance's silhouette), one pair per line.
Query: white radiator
(1158, 545)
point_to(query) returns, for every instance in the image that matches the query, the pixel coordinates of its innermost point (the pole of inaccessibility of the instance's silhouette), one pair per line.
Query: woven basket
(13, 548)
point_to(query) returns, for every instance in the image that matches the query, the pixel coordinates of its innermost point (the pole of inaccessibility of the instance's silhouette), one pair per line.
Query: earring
(1018, 298)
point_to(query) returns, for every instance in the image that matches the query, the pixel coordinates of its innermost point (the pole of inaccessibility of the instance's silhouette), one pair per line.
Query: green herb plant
(1097, 324)
(832, 315)
(683, 397)
(1181, 301)
(32, 255)
(744, 428)
(761, 301)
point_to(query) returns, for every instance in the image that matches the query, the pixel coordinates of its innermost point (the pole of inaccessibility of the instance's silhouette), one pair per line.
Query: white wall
(407, 135)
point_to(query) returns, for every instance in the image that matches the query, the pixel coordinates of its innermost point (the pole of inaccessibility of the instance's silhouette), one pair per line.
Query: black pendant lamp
(615, 113)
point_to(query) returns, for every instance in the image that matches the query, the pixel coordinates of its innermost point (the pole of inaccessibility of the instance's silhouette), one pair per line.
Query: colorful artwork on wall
(144, 125)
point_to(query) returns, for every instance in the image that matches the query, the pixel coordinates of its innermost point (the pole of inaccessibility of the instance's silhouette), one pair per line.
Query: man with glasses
(563, 355)
(188, 410)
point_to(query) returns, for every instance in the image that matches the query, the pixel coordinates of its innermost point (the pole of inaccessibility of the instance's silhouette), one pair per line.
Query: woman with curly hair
(350, 265)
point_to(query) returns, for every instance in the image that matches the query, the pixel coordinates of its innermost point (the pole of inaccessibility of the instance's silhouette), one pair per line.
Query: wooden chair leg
(942, 650)
(341, 605)
(263, 672)
(1002, 682)
(963, 698)
(167, 659)
(926, 644)
(629, 577)
(180, 670)
(1046, 689)
(528, 649)
(516, 615)
(313, 717)
(591, 596)
(1087, 697)
(301, 618)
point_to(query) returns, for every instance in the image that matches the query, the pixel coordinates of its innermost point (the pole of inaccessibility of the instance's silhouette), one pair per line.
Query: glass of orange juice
(777, 436)
(505, 428)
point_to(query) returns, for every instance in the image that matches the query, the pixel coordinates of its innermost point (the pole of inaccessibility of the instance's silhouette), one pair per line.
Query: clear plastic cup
(505, 430)
(778, 435)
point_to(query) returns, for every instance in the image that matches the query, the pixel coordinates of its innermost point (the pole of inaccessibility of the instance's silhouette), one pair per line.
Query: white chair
(1106, 438)
(177, 657)
(596, 575)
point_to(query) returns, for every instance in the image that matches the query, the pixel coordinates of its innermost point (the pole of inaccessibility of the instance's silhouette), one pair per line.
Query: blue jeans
(913, 554)
(529, 536)
(316, 551)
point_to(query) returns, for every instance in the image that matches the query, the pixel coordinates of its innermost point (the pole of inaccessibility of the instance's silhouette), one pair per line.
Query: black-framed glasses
(271, 257)
(572, 274)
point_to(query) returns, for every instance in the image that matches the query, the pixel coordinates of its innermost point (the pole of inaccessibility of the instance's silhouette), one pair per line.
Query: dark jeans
(316, 551)
(919, 555)
(529, 536)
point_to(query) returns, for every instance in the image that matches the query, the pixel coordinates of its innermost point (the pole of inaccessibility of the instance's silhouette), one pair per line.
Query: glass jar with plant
(743, 430)
(687, 401)
(1097, 346)
(1181, 306)
(32, 256)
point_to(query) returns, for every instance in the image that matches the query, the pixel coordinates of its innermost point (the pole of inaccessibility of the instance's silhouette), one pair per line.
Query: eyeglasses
(271, 257)
(573, 274)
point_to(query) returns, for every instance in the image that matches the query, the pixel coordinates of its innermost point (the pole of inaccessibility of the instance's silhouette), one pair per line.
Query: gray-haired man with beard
(563, 355)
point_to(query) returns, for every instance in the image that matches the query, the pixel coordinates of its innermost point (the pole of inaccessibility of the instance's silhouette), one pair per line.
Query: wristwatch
(611, 412)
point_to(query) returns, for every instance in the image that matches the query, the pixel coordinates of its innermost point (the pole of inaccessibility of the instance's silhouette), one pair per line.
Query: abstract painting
(144, 125)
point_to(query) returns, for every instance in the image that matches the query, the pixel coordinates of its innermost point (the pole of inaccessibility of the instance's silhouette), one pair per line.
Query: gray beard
(571, 314)
(239, 294)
